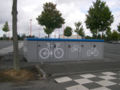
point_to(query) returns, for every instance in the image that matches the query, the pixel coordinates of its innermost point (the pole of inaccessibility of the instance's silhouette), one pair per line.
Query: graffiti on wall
(51, 50)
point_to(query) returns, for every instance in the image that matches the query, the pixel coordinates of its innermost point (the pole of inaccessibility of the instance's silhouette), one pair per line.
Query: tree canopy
(68, 31)
(50, 17)
(99, 17)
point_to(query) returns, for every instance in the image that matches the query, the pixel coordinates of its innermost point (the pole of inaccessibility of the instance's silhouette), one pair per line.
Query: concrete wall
(56, 50)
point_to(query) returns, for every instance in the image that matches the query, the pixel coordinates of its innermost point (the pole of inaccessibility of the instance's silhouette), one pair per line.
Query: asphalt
(4, 43)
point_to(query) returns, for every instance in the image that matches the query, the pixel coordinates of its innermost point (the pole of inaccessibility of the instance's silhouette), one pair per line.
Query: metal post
(30, 27)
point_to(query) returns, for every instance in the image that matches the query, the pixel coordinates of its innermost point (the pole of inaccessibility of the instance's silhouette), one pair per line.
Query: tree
(50, 18)
(115, 35)
(5, 27)
(79, 29)
(109, 34)
(99, 17)
(118, 27)
(68, 31)
(15, 38)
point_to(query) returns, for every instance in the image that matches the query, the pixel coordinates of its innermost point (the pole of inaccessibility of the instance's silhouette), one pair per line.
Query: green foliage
(5, 27)
(99, 17)
(50, 18)
(118, 27)
(115, 35)
(79, 29)
(68, 31)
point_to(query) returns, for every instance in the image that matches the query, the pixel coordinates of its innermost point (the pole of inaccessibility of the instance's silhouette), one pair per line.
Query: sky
(72, 11)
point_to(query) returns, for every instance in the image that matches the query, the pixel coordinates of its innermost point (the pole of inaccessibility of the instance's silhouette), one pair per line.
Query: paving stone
(109, 73)
(106, 83)
(77, 87)
(114, 87)
(63, 79)
(92, 85)
(116, 80)
(96, 79)
(68, 84)
(101, 88)
(87, 75)
(107, 77)
(74, 77)
(83, 81)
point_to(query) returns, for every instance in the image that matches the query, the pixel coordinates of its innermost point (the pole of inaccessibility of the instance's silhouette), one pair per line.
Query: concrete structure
(56, 50)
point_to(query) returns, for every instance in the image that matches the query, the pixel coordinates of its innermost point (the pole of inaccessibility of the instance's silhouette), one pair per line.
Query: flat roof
(60, 39)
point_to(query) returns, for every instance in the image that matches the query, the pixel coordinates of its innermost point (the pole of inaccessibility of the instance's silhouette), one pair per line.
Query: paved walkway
(9, 49)
(91, 81)
(109, 80)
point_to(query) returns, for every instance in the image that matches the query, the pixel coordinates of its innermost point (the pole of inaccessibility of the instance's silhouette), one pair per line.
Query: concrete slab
(109, 73)
(63, 79)
(87, 75)
(106, 83)
(77, 87)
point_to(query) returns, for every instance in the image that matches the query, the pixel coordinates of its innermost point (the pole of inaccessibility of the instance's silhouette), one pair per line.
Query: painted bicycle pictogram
(93, 52)
(45, 53)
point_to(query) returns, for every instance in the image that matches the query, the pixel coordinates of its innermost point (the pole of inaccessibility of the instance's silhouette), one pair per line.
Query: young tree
(51, 18)
(99, 17)
(68, 31)
(15, 38)
(118, 27)
(79, 29)
(115, 35)
(5, 27)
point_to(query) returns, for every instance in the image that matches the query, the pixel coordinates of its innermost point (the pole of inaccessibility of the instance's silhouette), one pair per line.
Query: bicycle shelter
(55, 50)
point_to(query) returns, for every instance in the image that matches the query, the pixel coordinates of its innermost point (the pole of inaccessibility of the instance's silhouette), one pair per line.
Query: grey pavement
(5, 43)
(9, 49)
(109, 80)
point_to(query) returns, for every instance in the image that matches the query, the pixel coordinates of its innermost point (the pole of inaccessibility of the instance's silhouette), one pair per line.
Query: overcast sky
(72, 11)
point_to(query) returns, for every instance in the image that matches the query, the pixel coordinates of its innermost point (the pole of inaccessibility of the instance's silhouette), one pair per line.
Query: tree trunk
(15, 38)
